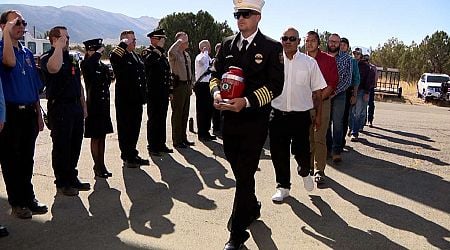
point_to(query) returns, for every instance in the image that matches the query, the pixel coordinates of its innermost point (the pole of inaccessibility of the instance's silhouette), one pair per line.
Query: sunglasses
(23, 22)
(244, 14)
(290, 38)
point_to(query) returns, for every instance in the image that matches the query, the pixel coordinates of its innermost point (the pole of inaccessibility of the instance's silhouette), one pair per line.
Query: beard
(332, 50)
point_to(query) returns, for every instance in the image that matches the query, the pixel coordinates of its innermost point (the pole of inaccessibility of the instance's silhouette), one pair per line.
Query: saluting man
(246, 117)
(130, 96)
(157, 72)
(66, 111)
(23, 119)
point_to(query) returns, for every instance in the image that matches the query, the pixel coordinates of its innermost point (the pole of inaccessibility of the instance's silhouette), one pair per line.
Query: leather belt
(20, 106)
(279, 112)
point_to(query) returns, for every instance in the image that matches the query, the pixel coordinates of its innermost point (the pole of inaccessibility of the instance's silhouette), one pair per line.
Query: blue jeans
(337, 121)
(359, 111)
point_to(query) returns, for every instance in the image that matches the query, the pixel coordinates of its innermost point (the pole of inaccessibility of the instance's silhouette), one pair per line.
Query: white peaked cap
(255, 5)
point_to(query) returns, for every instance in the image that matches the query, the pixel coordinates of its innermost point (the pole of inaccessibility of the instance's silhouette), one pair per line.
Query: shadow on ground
(330, 229)
(71, 226)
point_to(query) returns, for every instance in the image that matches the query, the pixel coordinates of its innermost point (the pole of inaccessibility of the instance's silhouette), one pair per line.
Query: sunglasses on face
(290, 38)
(23, 22)
(244, 14)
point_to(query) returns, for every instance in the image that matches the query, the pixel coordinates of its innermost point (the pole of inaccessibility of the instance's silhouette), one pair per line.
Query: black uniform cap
(157, 33)
(93, 44)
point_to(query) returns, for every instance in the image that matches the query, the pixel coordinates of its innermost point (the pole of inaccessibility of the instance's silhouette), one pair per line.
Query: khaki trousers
(318, 138)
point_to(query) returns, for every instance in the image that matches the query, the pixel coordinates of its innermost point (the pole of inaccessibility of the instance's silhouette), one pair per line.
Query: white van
(429, 85)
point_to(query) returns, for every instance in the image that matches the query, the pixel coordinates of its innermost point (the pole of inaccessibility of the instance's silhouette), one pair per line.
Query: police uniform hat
(93, 44)
(255, 5)
(157, 33)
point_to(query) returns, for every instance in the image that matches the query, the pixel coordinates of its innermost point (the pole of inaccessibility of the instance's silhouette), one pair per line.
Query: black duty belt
(279, 112)
(20, 107)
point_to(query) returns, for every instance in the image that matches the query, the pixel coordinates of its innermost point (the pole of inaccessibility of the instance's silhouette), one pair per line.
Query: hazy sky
(365, 23)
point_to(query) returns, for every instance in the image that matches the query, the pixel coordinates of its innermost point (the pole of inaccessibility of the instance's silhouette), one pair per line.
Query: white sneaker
(280, 194)
(308, 183)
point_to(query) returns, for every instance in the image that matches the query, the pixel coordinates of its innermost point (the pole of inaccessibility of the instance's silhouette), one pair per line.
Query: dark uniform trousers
(204, 108)
(129, 118)
(66, 119)
(289, 130)
(245, 132)
(157, 107)
(17, 143)
(180, 110)
(244, 136)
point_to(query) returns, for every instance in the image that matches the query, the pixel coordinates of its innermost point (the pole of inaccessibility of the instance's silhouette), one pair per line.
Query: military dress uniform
(245, 132)
(97, 82)
(157, 72)
(66, 118)
(130, 95)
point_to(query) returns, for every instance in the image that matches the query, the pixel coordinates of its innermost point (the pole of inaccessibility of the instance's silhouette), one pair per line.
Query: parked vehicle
(429, 85)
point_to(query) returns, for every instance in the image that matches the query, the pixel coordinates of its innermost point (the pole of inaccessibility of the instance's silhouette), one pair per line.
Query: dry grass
(409, 95)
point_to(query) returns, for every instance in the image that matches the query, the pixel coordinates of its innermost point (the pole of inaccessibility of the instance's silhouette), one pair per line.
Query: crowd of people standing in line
(304, 102)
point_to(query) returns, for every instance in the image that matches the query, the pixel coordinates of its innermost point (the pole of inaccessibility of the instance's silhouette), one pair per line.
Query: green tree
(389, 55)
(436, 52)
(198, 26)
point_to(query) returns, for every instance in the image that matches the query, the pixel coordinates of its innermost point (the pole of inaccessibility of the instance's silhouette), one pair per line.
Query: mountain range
(83, 22)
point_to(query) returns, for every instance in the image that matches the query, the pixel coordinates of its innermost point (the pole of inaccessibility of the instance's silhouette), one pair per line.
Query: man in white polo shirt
(289, 127)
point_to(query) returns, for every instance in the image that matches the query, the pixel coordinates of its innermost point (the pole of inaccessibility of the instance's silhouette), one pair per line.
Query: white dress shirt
(202, 62)
(302, 76)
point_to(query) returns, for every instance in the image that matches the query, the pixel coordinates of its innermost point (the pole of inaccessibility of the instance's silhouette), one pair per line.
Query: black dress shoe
(81, 186)
(188, 143)
(3, 231)
(180, 145)
(236, 241)
(154, 153)
(207, 137)
(165, 149)
(101, 172)
(37, 208)
(142, 162)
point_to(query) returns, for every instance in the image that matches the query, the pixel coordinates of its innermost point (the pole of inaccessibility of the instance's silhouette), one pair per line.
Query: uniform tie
(244, 46)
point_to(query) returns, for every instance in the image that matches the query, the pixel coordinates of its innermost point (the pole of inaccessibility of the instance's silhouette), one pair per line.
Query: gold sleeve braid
(263, 95)
(118, 51)
(213, 83)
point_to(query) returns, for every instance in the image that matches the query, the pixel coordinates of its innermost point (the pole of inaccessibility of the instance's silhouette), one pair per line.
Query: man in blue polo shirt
(23, 122)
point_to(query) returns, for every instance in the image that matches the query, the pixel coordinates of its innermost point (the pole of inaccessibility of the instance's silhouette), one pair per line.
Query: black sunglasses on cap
(244, 13)
(290, 38)
(23, 22)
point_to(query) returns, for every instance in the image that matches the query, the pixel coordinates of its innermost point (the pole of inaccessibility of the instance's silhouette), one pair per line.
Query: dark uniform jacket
(157, 72)
(262, 66)
(97, 82)
(130, 76)
(65, 85)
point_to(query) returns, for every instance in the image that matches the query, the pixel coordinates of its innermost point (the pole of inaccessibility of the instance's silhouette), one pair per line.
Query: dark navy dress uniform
(157, 72)
(245, 132)
(21, 86)
(130, 95)
(97, 82)
(66, 118)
